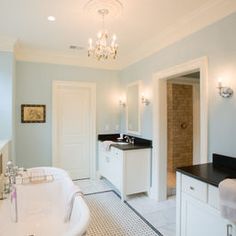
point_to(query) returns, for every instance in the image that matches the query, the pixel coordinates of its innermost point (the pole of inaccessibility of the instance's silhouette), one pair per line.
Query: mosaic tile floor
(112, 217)
(159, 214)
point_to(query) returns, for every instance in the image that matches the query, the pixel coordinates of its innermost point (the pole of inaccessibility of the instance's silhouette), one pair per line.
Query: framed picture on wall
(33, 113)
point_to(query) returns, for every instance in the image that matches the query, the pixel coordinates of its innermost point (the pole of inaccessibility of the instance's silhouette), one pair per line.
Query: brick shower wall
(180, 112)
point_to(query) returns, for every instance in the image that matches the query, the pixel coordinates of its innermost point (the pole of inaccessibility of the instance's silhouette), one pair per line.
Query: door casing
(92, 87)
(158, 189)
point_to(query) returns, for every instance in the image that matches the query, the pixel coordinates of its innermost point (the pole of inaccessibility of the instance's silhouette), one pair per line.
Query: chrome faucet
(129, 139)
(8, 184)
(11, 173)
(10, 188)
(132, 140)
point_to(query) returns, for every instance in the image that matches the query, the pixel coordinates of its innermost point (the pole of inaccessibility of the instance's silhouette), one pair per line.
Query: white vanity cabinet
(128, 171)
(198, 209)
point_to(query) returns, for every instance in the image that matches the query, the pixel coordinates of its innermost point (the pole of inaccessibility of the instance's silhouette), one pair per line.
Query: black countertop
(127, 147)
(139, 143)
(221, 168)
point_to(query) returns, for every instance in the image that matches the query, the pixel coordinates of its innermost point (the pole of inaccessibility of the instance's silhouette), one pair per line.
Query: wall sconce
(225, 92)
(145, 100)
(122, 102)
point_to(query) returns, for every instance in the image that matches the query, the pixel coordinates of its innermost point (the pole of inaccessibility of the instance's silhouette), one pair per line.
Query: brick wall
(180, 125)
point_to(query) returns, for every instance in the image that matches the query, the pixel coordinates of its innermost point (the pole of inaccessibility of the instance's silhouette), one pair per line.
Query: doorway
(183, 124)
(74, 134)
(158, 189)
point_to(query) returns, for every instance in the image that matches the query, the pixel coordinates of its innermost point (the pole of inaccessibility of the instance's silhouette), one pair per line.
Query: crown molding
(62, 58)
(211, 12)
(7, 44)
(208, 14)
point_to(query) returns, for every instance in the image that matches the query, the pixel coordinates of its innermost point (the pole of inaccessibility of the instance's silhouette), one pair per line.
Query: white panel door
(74, 130)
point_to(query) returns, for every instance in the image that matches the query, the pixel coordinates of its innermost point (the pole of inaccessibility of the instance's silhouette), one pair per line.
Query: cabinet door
(137, 171)
(104, 162)
(116, 167)
(101, 159)
(199, 219)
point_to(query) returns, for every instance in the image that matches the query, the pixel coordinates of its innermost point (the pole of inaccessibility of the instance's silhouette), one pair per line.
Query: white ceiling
(142, 28)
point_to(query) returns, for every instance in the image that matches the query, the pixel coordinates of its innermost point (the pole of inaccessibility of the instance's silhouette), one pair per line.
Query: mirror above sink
(133, 108)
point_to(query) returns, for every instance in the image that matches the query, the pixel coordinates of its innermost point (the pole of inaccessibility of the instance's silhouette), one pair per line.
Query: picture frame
(33, 113)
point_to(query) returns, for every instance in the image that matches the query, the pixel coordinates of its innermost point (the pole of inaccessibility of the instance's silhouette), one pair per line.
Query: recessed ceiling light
(51, 18)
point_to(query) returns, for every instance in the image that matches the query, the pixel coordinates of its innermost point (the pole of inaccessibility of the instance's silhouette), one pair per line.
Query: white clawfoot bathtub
(42, 209)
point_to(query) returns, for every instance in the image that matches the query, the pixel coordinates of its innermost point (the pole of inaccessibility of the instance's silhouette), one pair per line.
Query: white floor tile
(91, 186)
(157, 219)
(160, 214)
(146, 205)
(168, 230)
(170, 215)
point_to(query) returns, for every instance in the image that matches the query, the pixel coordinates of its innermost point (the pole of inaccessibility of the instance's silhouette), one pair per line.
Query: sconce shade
(225, 92)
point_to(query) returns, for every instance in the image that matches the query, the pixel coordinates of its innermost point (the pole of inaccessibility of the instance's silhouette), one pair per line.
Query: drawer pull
(192, 188)
(229, 230)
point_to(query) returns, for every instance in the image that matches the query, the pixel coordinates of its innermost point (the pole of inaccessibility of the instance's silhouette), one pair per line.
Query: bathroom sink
(122, 143)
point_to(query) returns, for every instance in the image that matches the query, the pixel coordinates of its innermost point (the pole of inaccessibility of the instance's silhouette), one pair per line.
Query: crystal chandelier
(103, 48)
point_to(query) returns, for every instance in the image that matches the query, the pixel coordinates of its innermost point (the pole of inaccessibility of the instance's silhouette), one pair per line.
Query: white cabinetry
(198, 209)
(128, 171)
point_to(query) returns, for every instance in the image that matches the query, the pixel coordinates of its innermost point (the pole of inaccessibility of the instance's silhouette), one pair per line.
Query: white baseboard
(98, 175)
(152, 194)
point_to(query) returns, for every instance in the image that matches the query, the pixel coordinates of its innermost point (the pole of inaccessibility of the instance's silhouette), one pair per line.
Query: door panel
(74, 118)
(198, 219)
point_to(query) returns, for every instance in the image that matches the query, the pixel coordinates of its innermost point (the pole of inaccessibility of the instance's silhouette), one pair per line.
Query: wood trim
(159, 175)
(196, 123)
(91, 86)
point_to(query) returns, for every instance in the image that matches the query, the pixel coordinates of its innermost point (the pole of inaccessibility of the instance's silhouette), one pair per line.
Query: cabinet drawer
(213, 196)
(195, 188)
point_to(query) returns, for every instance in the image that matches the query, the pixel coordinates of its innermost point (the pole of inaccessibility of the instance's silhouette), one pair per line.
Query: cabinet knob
(191, 187)
(229, 230)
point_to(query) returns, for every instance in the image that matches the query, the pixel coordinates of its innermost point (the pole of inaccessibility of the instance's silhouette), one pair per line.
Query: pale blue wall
(7, 81)
(34, 85)
(218, 43)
